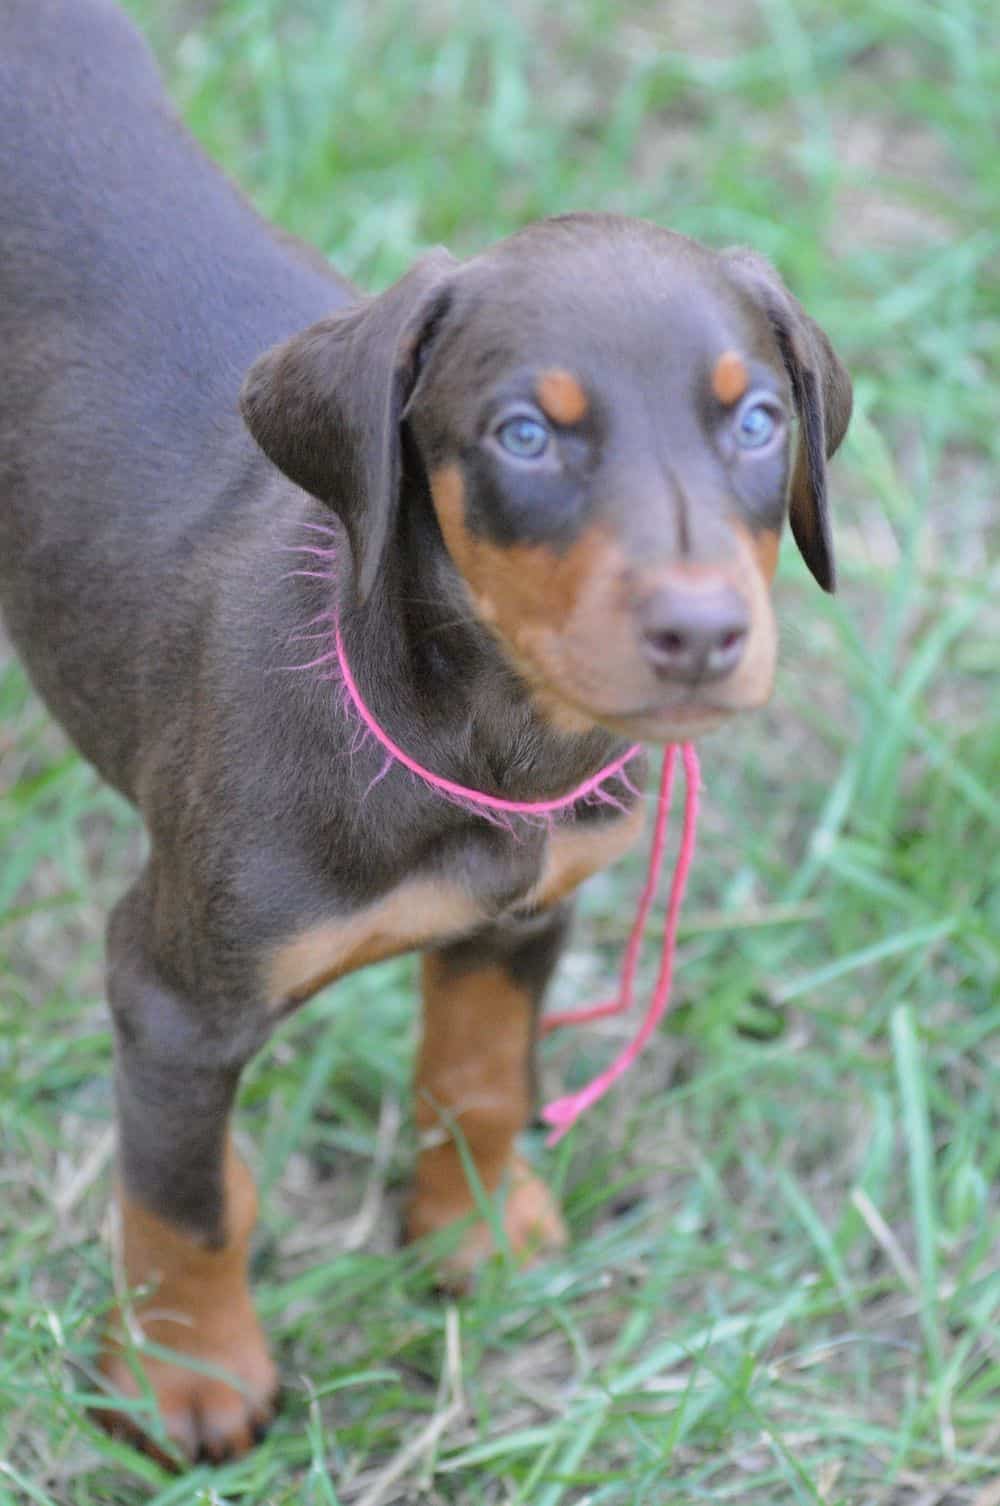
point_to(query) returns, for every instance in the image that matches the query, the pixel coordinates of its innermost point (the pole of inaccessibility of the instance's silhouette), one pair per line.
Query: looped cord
(562, 1113)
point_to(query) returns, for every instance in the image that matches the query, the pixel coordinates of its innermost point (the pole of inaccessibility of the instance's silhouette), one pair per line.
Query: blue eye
(756, 427)
(524, 438)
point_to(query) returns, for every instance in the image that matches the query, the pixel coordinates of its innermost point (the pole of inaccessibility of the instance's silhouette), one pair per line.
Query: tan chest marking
(426, 912)
(416, 914)
(574, 852)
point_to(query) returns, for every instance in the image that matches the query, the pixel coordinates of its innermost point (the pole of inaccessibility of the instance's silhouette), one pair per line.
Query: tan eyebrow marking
(561, 397)
(730, 378)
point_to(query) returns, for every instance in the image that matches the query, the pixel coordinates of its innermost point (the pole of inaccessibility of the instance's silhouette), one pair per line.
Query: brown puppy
(553, 478)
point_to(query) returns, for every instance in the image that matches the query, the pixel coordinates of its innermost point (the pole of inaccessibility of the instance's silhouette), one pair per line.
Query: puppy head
(604, 413)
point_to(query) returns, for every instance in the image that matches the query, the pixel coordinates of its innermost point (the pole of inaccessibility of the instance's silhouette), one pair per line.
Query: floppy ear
(822, 392)
(326, 405)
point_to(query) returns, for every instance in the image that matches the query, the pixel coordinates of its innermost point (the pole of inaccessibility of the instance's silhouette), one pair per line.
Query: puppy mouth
(665, 719)
(676, 721)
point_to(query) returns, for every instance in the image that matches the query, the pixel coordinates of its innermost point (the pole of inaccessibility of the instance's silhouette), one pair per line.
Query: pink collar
(462, 793)
(563, 1112)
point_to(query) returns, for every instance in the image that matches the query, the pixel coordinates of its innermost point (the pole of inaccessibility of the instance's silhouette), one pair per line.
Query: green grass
(784, 1285)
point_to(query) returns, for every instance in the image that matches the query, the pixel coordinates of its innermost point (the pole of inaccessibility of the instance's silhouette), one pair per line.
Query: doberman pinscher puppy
(554, 478)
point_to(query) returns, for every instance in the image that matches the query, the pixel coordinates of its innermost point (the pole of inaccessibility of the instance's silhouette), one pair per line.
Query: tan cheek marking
(521, 586)
(413, 915)
(540, 603)
(574, 853)
(754, 677)
(561, 397)
(765, 546)
(543, 649)
(730, 378)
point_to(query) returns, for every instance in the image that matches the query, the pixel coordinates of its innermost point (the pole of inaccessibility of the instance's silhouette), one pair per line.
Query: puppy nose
(693, 635)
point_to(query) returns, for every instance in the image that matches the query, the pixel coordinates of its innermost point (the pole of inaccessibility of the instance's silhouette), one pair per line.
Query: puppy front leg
(185, 1209)
(475, 1071)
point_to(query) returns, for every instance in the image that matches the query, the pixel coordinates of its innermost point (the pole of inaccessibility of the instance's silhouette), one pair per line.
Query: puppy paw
(532, 1223)
(215, 1392)
(204, 1416)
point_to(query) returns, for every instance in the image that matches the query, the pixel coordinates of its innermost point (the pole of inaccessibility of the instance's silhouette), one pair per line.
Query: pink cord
(563, 1112)
(461, 791)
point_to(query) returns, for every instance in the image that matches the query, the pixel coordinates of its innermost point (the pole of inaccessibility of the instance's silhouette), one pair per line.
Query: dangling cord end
(563, 1113)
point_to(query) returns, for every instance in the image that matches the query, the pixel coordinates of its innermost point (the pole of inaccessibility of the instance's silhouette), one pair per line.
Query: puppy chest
(428, 911)
(415, 914)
